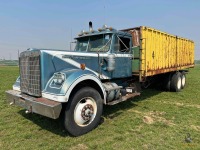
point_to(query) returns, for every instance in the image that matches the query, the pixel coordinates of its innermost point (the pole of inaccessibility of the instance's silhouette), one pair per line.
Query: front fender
(72, 78)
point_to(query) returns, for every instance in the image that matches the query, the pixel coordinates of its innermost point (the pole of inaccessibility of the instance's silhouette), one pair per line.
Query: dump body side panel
(164, 52)
(160, 52)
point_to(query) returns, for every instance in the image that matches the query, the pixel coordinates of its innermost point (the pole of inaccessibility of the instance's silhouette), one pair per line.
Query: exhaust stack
(90, 27)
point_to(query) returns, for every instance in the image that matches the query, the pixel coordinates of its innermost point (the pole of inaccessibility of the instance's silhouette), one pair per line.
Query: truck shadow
(51, 125)
(110, 112)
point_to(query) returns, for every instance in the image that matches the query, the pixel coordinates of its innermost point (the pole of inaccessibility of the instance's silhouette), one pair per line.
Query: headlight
(58, 78)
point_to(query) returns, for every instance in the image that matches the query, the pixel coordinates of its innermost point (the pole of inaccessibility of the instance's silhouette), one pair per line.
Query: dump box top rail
(157, 52)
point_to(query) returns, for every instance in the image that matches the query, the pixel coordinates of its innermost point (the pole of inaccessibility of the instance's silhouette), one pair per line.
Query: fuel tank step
(123, 98)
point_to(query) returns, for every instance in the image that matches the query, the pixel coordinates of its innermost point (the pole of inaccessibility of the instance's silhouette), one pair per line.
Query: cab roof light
(81, 33)
(91, 30)
(105, 28)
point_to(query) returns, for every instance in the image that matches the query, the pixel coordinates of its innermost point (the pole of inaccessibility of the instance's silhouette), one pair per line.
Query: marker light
(82, 66)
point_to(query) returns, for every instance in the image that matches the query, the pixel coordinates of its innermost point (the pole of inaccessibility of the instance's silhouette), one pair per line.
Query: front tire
(83, 111)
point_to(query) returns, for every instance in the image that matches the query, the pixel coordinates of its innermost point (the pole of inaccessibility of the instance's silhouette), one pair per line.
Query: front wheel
(83, 111)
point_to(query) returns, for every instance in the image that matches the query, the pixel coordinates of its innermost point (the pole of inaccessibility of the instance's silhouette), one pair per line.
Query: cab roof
(105, 31)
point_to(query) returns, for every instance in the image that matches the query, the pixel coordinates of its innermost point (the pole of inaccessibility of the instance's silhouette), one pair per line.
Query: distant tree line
(197, 61)
(9, 62)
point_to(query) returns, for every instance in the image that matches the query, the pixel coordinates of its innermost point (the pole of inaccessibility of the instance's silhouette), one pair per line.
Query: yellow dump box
(157, 52)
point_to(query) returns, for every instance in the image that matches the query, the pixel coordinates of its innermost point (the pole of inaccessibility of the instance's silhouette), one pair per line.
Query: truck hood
(55, 61)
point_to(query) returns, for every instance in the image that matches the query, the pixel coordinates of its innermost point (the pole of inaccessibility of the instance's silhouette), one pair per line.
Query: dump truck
(107, 66)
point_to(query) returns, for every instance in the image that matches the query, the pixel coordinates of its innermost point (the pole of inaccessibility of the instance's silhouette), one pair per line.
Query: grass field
(155, 120)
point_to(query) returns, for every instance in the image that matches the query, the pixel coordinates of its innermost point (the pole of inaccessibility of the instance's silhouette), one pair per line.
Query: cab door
(123, 56)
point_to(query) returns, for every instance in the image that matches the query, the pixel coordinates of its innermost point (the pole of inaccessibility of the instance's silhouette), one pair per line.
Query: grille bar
(30, 80)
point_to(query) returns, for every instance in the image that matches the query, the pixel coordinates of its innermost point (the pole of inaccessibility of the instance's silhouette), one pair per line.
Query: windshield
(94, 43)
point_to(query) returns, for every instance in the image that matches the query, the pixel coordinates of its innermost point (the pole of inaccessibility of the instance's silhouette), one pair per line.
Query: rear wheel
(175, 83)
(167, 82)
(183, 80)
(83, 112)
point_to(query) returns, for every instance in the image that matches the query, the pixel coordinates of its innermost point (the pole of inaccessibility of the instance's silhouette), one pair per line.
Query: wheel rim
(179, 83)
(85, 111)
(183, 80)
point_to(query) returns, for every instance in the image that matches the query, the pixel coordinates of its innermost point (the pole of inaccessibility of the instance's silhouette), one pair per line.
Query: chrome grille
(30, 82)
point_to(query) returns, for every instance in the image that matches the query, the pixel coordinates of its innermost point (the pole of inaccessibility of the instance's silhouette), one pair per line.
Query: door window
(122, 44)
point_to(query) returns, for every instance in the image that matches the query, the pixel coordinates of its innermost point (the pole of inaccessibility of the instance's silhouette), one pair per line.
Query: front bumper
(40, 106)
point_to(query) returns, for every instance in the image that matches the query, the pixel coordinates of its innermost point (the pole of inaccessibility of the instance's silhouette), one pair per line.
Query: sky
(54, 23)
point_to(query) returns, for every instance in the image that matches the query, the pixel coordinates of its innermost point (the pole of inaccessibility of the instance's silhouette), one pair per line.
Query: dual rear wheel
(176, 81)
(183, 80)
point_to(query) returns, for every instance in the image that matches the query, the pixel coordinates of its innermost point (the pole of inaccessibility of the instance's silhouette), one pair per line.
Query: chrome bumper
(40, 106)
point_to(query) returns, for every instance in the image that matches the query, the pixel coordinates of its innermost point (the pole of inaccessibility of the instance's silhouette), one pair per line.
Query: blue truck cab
(79, 82)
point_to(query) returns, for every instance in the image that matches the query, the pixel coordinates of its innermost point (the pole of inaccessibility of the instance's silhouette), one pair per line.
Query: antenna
(104, 11)
(71, 41)
(18, 54)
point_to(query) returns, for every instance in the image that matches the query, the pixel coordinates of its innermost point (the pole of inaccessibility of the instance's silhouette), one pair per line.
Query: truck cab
(78, 82)
(102, 45)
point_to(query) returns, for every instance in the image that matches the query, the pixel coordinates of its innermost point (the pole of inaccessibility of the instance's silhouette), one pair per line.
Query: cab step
(123, 98)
